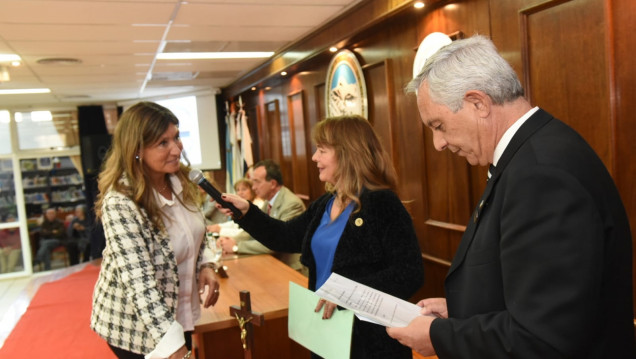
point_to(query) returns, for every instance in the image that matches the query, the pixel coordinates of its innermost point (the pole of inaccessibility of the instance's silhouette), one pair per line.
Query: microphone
(196, 176)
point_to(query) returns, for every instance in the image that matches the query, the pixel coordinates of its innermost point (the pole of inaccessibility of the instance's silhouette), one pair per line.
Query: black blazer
(378, 248)
(544, 269)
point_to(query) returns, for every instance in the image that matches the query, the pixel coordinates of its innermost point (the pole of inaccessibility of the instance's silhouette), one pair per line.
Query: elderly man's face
(460, 132)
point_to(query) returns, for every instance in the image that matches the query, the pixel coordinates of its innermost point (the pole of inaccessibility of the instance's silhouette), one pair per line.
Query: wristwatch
(235, 248)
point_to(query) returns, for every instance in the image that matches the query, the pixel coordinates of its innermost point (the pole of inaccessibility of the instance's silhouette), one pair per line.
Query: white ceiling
(117, 41)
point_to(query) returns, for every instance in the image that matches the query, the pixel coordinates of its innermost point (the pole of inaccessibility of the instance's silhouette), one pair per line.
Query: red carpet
(57, 322)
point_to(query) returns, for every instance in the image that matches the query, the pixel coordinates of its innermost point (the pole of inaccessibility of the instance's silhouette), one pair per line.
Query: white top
(186, 231)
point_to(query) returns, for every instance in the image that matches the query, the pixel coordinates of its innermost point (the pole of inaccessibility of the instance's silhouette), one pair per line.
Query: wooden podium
(217, 334)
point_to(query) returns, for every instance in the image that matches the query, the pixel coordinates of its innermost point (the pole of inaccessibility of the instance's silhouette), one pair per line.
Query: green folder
(329, 338)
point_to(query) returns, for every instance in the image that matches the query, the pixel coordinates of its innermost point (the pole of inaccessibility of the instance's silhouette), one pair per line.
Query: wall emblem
(346, 92)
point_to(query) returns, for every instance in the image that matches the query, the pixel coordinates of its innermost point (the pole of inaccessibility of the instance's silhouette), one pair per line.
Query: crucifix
(246, 319)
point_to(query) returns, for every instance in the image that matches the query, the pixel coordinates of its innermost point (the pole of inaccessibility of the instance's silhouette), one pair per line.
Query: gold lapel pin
(359, 222)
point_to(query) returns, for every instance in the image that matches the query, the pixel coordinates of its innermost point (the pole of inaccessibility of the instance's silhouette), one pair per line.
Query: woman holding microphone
(358, 229)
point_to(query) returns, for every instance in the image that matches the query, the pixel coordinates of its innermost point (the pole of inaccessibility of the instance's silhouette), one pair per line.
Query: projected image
(185, 108)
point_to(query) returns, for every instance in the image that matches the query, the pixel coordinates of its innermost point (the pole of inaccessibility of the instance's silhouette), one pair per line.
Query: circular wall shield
(346, 92)
(431, 43)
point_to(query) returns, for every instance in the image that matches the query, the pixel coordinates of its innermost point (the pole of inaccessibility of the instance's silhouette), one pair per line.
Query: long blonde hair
(140, 126)
(362, 161)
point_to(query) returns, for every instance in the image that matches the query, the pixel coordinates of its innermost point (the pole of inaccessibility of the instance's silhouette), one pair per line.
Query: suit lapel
(535, 122)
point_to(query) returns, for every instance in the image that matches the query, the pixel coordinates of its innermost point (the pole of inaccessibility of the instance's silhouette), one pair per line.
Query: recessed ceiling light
(9, 57)
(23, 91)
(418, 4)
(213, 55)
(4, 74)
(333, 49)
(283, 73)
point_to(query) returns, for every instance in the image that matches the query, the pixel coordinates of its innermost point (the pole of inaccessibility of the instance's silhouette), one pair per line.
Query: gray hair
(464, 65)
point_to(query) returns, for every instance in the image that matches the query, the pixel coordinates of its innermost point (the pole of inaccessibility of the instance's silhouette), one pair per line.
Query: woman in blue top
(358, 229)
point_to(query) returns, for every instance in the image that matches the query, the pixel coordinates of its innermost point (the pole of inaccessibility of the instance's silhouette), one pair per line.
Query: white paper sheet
(367, 302)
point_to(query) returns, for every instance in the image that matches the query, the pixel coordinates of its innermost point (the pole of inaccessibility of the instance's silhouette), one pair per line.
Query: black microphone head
(196, 176)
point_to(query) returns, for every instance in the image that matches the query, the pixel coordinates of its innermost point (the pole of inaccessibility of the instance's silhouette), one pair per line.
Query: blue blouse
(325, 240)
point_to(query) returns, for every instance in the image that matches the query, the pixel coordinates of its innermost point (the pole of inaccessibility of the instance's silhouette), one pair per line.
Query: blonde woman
(146, 299)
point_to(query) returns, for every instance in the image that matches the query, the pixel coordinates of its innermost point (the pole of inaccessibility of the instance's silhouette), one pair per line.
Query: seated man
(52, 235)
(280, 202)
(10, 247)
(77, 232)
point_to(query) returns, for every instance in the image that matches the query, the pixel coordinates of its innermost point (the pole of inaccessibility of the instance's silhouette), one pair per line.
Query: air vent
(75, 97)
(174, 76)
(59, 61)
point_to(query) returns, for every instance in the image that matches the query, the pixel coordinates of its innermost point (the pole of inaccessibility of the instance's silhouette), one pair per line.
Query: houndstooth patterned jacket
(135, 297)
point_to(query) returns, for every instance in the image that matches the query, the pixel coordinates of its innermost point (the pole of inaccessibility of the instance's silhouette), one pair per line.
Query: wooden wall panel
(253, 116)
(588, 43)
(380, 100)
(271, 137)
(573, 88)
(300, 155)
(319, 97)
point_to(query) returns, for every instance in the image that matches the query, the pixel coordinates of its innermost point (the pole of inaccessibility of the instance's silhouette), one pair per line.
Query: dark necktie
(491, 171)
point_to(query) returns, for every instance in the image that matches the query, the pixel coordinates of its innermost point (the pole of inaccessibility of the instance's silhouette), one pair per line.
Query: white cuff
(170, 343)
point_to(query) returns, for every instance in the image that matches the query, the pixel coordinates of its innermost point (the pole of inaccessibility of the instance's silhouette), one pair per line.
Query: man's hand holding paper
(369, 304)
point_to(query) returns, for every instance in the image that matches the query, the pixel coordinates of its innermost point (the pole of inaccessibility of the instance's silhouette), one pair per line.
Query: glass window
(45, 129)
(5, 133)
(8, 210)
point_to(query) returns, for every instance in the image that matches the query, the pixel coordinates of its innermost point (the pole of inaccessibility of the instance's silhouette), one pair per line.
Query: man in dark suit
(544, 269)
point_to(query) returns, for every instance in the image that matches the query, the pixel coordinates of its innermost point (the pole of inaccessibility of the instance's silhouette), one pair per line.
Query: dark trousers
(125, 354)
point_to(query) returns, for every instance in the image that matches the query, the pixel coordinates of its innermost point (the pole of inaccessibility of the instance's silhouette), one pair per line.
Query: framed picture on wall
(45, 163)
(28, 165)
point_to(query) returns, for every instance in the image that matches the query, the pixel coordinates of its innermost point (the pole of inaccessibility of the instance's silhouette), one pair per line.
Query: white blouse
(186, 229)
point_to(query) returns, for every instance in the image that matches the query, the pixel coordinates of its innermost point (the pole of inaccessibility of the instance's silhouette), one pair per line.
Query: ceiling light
(16, 63)
(333, 49)
(213, 55)
(253, 88)
(23, 91)
(4, 74)
(9, 57)
(283, 73)
(418, 4)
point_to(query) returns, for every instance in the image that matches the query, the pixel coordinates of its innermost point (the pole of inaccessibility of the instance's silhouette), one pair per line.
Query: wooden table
(217, 334)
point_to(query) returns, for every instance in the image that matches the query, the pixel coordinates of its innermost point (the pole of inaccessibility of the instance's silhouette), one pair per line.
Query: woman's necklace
(164, 188)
